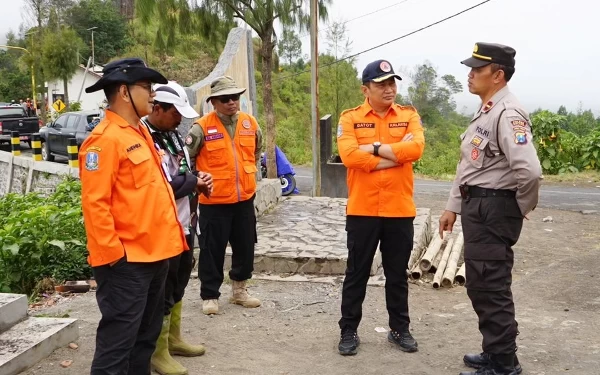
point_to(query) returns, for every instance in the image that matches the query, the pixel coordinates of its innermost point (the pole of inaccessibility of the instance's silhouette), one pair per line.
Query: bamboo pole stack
(441, 259)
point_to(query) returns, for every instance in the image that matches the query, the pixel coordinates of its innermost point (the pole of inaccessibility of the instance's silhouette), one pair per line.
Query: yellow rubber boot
(176, 345)
(161, 361)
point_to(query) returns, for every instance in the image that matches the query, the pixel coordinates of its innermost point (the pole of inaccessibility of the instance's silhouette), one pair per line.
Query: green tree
(261, 16)
(338, 43)
(170, 19)
(562, 110)
(36, 13)
(432, 97)
(290, 46)
(110, 37)
(16, 82)
(60, 56)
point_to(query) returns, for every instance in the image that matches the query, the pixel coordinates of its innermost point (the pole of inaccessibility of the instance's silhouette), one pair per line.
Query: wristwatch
(376, 146)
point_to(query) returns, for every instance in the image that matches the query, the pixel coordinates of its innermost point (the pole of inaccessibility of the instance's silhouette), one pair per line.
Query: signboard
(58, 105)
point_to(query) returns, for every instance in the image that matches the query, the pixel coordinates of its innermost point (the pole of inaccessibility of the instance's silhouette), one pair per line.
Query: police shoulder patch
(92, 159)
(519, 123)
(520, 137)
(189, 140)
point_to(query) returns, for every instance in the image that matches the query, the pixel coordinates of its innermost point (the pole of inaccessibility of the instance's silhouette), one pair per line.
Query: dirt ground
(295, 331)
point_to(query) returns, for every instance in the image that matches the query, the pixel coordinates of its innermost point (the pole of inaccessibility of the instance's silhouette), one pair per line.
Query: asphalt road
(551, 196)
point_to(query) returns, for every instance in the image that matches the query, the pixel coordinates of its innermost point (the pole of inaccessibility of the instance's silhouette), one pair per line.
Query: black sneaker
(483, 359)
(403, 340)
(349, 342)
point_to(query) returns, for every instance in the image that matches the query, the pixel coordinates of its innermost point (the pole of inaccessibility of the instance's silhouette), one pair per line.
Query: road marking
(301, 176)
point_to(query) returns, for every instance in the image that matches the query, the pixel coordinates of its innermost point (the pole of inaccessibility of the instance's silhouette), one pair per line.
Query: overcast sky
(556, 52)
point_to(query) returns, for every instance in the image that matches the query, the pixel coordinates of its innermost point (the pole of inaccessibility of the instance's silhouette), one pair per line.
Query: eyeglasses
(146, 86)
(226, 98)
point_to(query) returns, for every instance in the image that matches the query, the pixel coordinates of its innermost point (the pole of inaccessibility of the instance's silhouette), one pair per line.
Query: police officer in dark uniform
(497, 184)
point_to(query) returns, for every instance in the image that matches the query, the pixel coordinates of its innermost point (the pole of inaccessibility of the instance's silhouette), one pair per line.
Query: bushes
(561, 151)
(42, 237)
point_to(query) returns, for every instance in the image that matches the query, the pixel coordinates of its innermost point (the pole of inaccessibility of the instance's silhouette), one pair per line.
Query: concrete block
(32, 340)
(13, 309)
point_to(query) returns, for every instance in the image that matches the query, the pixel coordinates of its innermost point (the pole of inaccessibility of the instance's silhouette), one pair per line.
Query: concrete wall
(237, 61)
(20, 174)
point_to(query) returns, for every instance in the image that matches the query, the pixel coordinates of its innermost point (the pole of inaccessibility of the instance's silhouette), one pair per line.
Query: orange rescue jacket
(386, 192)
(230, 161)
(128, 205)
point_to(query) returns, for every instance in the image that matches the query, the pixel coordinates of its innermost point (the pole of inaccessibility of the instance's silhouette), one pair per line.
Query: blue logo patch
(520, 138)
(91, 161)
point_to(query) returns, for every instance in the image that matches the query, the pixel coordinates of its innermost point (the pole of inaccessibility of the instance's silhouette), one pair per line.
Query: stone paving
(305, 235)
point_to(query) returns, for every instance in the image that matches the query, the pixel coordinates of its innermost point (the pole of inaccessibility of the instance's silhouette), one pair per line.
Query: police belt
(467, 192)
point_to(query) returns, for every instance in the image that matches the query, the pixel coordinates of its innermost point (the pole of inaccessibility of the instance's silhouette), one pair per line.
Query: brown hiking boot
(210, 306)
(240, 295)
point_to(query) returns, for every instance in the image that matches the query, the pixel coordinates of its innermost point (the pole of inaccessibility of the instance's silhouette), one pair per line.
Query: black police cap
(378, 71)
(127, 71)
(488, 53)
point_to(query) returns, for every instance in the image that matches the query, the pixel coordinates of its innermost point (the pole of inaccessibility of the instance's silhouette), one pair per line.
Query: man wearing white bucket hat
(170, 105)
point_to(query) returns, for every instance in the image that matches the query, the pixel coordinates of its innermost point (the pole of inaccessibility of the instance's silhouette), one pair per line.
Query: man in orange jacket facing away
(377, 142)
(130, 220)
(226, 143)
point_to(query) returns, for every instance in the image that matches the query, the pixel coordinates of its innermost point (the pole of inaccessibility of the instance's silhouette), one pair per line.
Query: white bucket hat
(173, 93)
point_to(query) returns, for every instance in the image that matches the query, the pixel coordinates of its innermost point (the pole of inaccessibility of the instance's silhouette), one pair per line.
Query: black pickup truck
(13, 118)
(55, 135)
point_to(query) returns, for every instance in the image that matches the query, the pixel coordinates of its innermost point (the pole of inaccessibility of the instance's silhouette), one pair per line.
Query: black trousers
(131, 299)
(491, 226)
(395, 237)
(180, 270)
(221, 223)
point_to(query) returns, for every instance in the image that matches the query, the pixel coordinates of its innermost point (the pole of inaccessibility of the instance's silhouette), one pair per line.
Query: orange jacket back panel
(128, 205)
(230, 161)
(387, 192)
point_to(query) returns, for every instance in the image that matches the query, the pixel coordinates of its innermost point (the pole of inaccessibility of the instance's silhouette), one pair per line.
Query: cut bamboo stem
(451, 267)
(436, 262)
(417, 252)
(416, 272)
(431, 252)
(437, 278)
(460, 275)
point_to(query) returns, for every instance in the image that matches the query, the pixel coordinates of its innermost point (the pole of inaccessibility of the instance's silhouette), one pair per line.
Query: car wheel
(46, 155)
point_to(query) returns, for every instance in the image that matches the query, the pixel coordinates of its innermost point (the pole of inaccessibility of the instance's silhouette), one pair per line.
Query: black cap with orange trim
(488, 53)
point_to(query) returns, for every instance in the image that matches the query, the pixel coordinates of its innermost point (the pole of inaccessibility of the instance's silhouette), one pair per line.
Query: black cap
(378, 71)
(128, 71)
(488, 53)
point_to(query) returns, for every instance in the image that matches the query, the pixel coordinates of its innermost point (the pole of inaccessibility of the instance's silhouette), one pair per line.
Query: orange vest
(230, 161)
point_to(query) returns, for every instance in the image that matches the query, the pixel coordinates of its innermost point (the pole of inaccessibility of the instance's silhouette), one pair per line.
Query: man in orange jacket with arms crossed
(378, 141)
(130, 220)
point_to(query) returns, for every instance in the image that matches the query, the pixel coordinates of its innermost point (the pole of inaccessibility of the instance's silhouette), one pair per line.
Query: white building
(77, 85)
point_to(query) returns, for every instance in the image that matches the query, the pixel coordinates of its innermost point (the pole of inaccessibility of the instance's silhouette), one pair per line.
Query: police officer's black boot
(349, 342)
(480, 360)
(498, 364)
